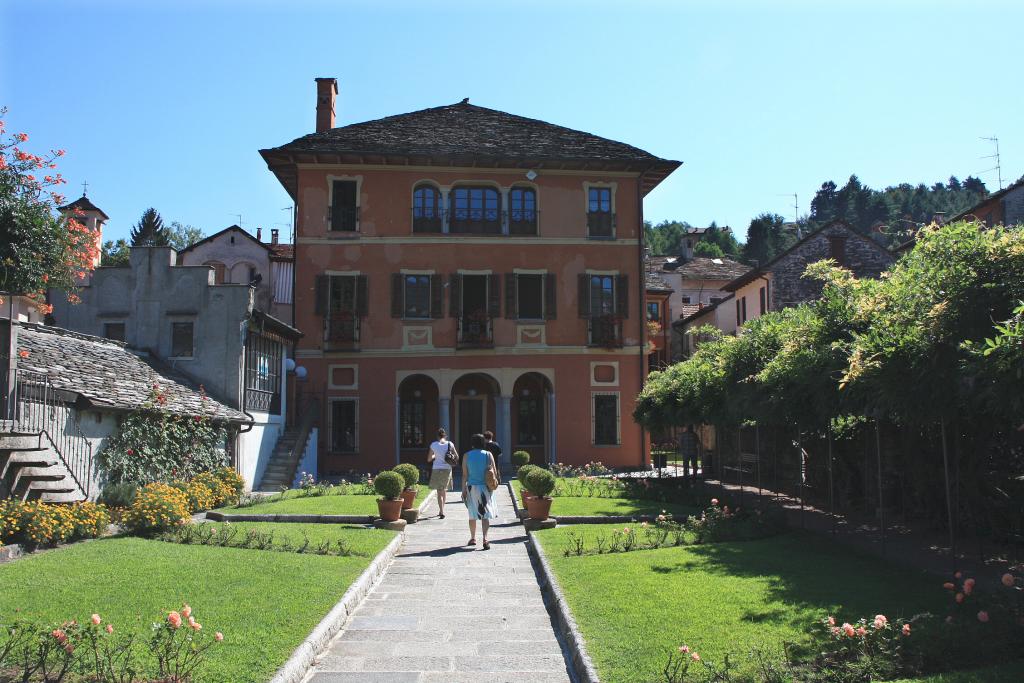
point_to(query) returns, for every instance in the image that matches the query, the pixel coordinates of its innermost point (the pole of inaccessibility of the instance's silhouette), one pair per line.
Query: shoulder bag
(451, 457)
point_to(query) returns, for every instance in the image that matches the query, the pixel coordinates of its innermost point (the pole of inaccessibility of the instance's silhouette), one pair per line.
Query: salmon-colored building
(463, 267)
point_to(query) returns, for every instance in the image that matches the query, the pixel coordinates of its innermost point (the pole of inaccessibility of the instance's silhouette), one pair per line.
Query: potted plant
(542, 484)
(521, 474)
(410, 476)
(389, 485)
(520, 458)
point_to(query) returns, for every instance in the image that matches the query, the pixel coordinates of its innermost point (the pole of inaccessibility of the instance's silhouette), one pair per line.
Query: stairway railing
(30, 404)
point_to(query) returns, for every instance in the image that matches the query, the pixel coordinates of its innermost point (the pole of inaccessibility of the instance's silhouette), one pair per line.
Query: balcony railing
(475, 332)
(341, 331)
(605, 331)
(475, 221)
(344, 218)
(600, 224)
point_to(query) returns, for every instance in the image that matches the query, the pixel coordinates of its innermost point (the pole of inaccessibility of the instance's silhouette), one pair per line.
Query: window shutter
(511, 304)
(396, 295)
(322, 284)
(436, 297)
(494, 296)
(362, 297)
(583, 296)
(622, 296)
(455, 302)
(550, 297)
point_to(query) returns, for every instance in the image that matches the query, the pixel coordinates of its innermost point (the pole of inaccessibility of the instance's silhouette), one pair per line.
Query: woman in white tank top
(441, 471)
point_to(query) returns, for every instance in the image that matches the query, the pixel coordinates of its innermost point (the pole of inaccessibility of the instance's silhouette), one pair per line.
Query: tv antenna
(291, 226)
(998, 167)
(796, 206)
(239, 216)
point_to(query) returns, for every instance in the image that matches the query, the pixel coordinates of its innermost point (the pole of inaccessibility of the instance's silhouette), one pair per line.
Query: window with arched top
(474, 209)
(427, 209)
(219, 271)
(522, 211)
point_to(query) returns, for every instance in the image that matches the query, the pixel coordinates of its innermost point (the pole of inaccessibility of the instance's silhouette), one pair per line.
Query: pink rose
(1008, 580)
(906, 629)
(831, 621)
(110, 629)
(174, 619)
(714, 501)
(695, 657)
(196, 626)
(849, 630)
(880, 621)
(59, 635)
(959, 598)
(684, 649)
(835, 631)
(96, 619)
(948, 586)
(218, 636)
(186, 611)
(983, 616)
(861, 631)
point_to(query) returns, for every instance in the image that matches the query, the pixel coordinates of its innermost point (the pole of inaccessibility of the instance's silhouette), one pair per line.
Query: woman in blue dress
(478, 499)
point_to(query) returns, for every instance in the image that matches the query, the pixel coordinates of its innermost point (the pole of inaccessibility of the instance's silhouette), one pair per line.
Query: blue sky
(166, 104)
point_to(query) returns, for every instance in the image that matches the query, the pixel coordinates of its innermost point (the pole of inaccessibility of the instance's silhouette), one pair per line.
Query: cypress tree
(150, 231)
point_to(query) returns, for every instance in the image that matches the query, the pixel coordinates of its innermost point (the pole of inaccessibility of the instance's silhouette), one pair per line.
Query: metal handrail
(32, 405)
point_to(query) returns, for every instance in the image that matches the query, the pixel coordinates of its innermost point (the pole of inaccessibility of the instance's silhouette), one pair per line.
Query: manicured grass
(596, 507)
(634, 608)
(293, 502)
(265, 603)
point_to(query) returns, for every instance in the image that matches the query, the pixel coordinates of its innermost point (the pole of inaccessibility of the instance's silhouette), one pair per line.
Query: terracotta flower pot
(539, 507)
(389, 510)
(408, 496)
(524, 495)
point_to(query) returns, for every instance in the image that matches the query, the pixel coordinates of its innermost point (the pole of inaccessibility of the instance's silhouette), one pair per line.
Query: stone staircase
(288, 450)
(31, 470)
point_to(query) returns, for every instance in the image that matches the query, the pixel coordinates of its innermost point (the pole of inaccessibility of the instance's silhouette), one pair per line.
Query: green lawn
(634, 608)
(265, 603)
(294, 503)
(596, 507)
(1012, 672)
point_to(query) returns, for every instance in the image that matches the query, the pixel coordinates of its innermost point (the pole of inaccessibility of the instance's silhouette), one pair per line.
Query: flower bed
(36, 524)
(728, 598)
(265, 603)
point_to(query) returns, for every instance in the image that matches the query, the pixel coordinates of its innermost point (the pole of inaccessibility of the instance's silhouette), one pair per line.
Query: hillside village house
(1005, 207)
(780, 283)
(63, 395)
(241, 259)
(214, 334)
(461, 267)
(659, 295)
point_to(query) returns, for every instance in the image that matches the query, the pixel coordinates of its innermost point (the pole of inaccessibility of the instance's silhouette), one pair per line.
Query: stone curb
(582, 667)
(295, 669)
(307, 519)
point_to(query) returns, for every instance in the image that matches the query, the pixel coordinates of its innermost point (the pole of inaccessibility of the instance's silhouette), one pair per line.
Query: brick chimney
(274, 232)
(259, 234)
(326, 93)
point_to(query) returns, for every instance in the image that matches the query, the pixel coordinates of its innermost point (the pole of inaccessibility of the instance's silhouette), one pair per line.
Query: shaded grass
(1013, 672)
(597, 507)
(265, 603)
(292, 502)
(634, 608)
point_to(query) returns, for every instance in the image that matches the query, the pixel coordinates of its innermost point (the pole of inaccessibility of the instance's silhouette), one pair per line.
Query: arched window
(474, 210)
(522, 211)
(427, 209)
(219, 271)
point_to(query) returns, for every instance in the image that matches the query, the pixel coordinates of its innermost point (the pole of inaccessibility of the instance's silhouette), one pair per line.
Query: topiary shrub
(389, 485)
(156, 508)
(118, 495)
(520, 458)
(523, 472)
(409, 473)
(540, 482)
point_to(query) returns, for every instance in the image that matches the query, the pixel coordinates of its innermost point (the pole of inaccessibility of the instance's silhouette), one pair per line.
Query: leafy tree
(767, 236)
(115, 253)
(666, 237)
(182, 236)
(150, 231)
(708, 249)
(724, 238)
(39, 247)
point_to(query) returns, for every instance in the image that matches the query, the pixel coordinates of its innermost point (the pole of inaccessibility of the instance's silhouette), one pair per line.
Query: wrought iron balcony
(600, 224)
(475, 332)
(426, 219)
(344, 218)
(605, 331)
(522, 221)
(341, 330)
(475, 221)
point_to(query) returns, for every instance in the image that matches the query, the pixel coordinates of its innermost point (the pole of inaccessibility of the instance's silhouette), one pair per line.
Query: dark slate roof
(655, 282)
(686, 310)
(84, 204)
(464, 134)
(704, 268)
(109, 375)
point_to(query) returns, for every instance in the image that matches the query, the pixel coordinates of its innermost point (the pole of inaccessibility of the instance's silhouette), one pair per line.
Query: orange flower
(186, 611)
(218, 636)
(1007, 580)
(96, 619)
(110, 629)
(174, 619)
(22, 353)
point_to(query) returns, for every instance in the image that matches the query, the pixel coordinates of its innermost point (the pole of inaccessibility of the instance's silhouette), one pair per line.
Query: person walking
(476, 464)
(438, 458)
(689, 448)
(492, 446)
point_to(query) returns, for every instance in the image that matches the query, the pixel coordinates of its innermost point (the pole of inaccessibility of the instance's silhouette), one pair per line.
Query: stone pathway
(444, 611)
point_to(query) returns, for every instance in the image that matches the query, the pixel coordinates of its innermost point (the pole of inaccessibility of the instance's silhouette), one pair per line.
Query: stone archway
(532, 416)
(475, 407)
(418, 417)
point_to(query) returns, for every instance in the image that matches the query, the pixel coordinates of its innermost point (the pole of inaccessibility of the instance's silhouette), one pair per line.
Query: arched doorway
(532, 406)
(474, 407)
(417, 417)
